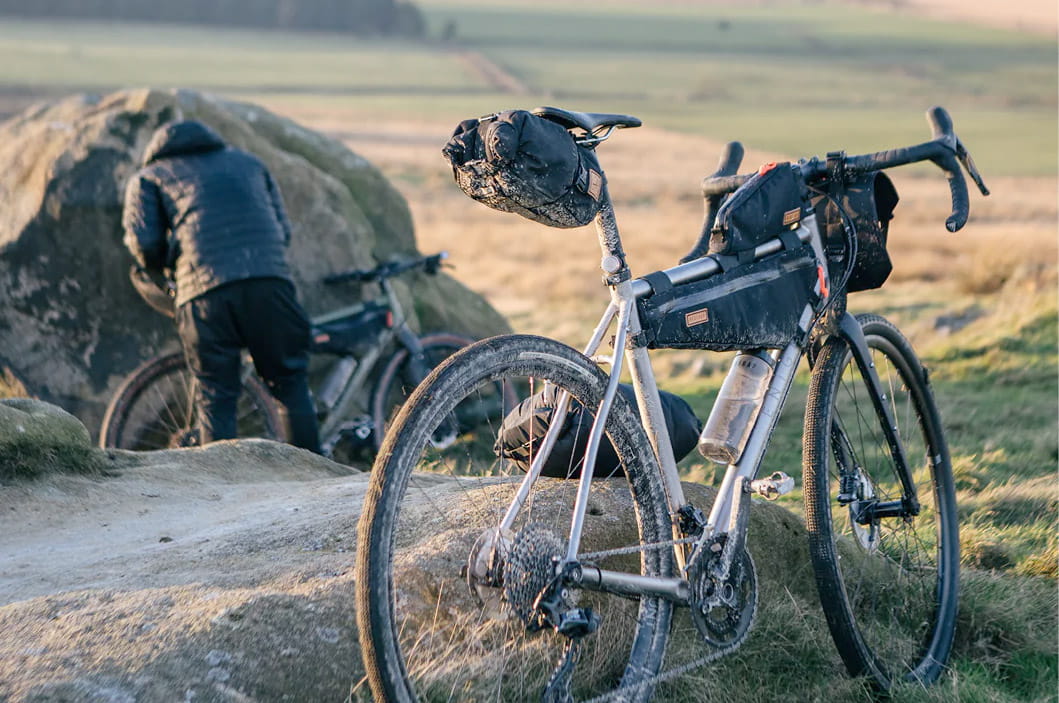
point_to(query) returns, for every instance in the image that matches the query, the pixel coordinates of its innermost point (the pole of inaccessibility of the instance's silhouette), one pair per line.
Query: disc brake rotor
(866, 535)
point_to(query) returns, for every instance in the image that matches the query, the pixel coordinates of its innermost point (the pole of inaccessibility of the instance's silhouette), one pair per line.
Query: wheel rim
(890, 566)
(396, 385)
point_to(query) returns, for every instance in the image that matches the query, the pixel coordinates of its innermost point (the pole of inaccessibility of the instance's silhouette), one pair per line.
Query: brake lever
(968, 164)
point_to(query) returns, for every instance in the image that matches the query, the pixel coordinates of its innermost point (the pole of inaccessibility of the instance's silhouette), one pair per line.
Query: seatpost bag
(770, 202)
(515, 161)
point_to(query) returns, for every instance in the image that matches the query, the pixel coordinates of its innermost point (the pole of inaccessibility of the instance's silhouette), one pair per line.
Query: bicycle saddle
(588, 121)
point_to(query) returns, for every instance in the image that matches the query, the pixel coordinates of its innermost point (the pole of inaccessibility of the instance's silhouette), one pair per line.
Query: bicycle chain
(592, 556)
(672, 673)
(541, 543)
(666, 676)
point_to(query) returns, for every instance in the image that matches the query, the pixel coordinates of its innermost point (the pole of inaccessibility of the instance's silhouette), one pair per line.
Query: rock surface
(71, 325)
(225, 572)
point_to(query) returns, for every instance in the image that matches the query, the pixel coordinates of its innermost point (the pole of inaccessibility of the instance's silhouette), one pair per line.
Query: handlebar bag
(769, 203)
(352, 334)
(525, 426)
(515, 161)
(869, 201)
(763, 303)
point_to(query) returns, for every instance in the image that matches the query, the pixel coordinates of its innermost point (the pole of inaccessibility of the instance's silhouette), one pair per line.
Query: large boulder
(71, 325)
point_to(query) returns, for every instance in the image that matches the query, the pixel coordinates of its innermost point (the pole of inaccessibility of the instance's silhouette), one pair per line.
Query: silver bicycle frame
(625, 291)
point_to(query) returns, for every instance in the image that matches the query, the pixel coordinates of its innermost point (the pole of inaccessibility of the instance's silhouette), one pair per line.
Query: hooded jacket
(210, 213)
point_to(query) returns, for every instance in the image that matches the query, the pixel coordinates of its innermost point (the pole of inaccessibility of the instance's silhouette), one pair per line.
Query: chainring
(723, 610)
(530, 569)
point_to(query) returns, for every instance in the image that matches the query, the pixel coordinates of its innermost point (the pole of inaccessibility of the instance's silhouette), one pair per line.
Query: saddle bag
(352, 334)
(525, 426)
(869, 202)
(769, 203)
(515, 161)
(763, 303)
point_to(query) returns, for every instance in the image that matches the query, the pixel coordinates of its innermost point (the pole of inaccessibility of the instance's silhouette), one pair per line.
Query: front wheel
(154, 409)
(887, 572)
(449, 606)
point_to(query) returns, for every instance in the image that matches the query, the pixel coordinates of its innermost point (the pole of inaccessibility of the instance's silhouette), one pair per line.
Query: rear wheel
(449, 607)
(154, 409)
(398, 379)
(887, 573)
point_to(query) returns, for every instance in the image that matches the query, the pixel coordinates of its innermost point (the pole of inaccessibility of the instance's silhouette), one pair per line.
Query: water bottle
(336, 381)
(727, 430)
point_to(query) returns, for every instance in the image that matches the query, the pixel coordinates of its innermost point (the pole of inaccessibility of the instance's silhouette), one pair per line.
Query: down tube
(748, 464)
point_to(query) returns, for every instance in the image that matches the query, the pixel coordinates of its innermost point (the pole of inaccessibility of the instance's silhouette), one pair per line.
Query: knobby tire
(888, 585)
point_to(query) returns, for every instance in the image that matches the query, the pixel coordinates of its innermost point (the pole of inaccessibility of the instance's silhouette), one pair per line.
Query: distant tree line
(362, 17)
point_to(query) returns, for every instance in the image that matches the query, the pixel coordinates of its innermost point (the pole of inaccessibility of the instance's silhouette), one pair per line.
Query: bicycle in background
(367, 345)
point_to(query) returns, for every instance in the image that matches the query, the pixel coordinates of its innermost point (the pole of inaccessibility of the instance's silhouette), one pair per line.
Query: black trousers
(263, 316)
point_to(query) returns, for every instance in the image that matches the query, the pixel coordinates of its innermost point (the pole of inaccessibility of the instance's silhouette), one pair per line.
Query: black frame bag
(758, 304)
(353, 334)
(515, 161)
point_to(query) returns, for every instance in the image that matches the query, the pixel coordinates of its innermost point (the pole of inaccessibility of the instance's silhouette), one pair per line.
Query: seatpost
(615, 269)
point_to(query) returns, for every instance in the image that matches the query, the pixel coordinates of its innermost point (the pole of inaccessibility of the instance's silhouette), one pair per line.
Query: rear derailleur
(528, 570)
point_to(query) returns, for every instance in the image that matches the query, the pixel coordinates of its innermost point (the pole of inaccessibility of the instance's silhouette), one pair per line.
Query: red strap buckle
(823, 282)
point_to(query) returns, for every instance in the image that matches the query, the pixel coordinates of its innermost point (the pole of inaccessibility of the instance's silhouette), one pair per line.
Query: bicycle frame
(728, 512)
(399, 332)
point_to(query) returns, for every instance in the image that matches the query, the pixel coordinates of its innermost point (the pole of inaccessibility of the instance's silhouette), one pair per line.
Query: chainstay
(672, 673)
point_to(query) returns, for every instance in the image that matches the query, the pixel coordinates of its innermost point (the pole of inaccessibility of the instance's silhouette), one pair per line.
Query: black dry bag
(515, 161)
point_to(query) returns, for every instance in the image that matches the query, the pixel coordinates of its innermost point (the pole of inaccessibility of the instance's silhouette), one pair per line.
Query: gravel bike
(370, 340)
(477, 578)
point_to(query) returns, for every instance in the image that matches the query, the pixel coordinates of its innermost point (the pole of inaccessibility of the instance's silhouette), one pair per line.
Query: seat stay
(591, 122)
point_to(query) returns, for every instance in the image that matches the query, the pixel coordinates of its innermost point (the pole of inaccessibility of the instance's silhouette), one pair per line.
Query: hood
(181, 138)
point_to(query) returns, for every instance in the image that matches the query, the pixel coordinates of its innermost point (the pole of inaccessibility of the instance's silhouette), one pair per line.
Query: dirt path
(220, 574)
(1035, 16)
(166, 521)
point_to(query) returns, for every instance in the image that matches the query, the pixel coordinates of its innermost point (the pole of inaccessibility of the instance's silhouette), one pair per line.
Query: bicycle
(154, 409)
(497, 582)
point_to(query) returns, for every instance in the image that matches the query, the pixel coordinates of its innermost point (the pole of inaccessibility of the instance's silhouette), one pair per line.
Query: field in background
(789, 80)
(782, 76)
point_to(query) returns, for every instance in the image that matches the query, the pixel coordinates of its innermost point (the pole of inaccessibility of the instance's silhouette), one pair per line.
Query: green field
(798, 79)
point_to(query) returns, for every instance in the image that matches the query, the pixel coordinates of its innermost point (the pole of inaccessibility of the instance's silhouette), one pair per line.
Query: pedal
(773, 487)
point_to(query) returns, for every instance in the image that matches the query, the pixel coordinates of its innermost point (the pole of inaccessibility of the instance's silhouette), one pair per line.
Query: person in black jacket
(212, 215)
